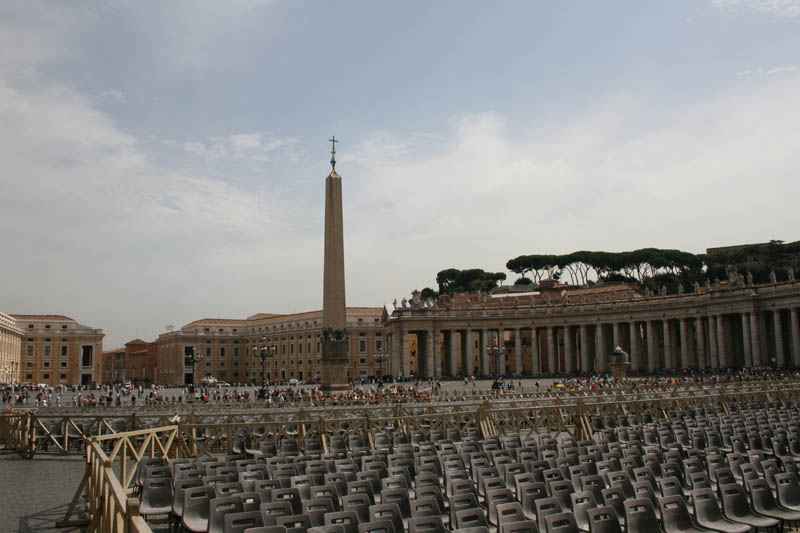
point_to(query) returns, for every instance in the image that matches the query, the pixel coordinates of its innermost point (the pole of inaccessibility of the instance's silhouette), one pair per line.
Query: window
(236, 351)
(29, 350)
(318, 346)
(236, 363)
(47, 349)
(291, 348)
(46, 364)
(64, 326)
(30, 326)
(29, 377)
(63, 351)
(362, 346)
(45, 376)
(300, 348)
(308, 347)
(362, 361)
(378, 345)
(208, 363)
(222, 351)
(63, 364)
(28, 365)
(86, 355)
(47, 326)
(63, 376)
(221, 364)
(283, 349)
(208, 351)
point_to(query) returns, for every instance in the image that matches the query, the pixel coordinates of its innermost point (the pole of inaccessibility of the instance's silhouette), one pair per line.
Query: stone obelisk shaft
(333, 294)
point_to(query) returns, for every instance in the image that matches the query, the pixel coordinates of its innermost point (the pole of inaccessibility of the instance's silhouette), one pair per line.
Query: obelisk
(335, 358)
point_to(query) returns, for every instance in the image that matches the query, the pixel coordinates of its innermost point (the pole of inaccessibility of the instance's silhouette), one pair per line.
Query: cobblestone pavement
(35, 494)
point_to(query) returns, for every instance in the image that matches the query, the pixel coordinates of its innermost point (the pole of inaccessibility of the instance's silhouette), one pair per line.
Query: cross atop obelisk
(333, 142)
(335, 359)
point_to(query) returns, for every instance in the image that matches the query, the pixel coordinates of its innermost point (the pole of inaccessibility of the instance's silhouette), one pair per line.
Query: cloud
(256, 146)
(778, 8)
(759, 72)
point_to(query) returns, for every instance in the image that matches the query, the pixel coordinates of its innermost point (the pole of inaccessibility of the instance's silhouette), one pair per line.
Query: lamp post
(380, 358)
(265, 352)
(495, 352)
(192, 359)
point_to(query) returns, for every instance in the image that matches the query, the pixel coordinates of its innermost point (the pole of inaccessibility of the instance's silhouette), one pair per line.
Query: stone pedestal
(620, 370)
(335, 361)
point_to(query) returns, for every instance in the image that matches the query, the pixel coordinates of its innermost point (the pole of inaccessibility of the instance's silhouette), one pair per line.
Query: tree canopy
(453, 280)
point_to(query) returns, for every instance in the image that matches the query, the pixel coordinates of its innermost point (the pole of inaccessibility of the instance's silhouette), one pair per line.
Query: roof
(42, 317)
(261, 318)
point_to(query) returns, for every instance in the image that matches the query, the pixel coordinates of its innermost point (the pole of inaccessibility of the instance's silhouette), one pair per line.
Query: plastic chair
(561, 523)
(546, 507)
(640, 517)
(708, 515)
(736, 508)
(315, 509)
(461, 502)
(470, 518)
(348, 520)
(400, 497)
(422, 507)
(675, 516)
(241, 522)
(296, 523)
(218, 508)
(196, 507)
(581, 502)
(764, 503)
(788, 490)
(156, 496)
(508, 512)
(387, 511)
(603, 520)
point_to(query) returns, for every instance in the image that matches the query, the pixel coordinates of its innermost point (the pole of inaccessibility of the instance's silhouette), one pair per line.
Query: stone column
(712, 341)
(748, 354)
(586, 361)
(536, 363)
(668, 363)
(755, 338)
(600, 344)
(517, 352)
(454, 353)
(429, 357)
(635, 346)
(551, 352)
(469, 364)
(699, 333)
(437, 354)
(617, 341)
(652, 346)
(567, 350)
(405, 360)
(722, 350)
(484, 340)
(795, 327)
(780, 356)
(501, 358)
(684, 343)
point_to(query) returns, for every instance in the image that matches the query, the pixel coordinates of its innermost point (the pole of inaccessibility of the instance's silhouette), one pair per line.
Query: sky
(164, 161)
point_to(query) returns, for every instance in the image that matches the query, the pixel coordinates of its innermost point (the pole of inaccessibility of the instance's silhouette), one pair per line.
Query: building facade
(56, 349)
(572, 330)
(113, 370)
(229, 349)
(10, 349)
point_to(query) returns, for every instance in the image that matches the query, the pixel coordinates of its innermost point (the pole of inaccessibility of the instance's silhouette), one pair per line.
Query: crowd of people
(362, 392)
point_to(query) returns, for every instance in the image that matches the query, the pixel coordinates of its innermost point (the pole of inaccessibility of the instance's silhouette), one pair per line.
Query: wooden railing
(49, 431)
(110, 507)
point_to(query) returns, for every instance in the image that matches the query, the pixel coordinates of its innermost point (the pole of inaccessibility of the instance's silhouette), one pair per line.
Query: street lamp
(380, 358)
(265, 352)
(192, 359)
(495, 352)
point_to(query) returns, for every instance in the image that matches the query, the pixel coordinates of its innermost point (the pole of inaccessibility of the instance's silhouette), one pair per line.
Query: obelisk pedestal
(335, 357)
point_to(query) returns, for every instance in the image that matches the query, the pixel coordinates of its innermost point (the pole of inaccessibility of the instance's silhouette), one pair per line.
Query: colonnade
(564, 345)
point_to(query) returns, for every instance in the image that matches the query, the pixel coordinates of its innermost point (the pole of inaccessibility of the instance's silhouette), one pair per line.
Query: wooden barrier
(31, 431)
(109, 503)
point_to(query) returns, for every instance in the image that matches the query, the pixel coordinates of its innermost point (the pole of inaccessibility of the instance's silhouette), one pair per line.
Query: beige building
(229, 349)
(58, 350)
(562, 329)
(10, 349)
